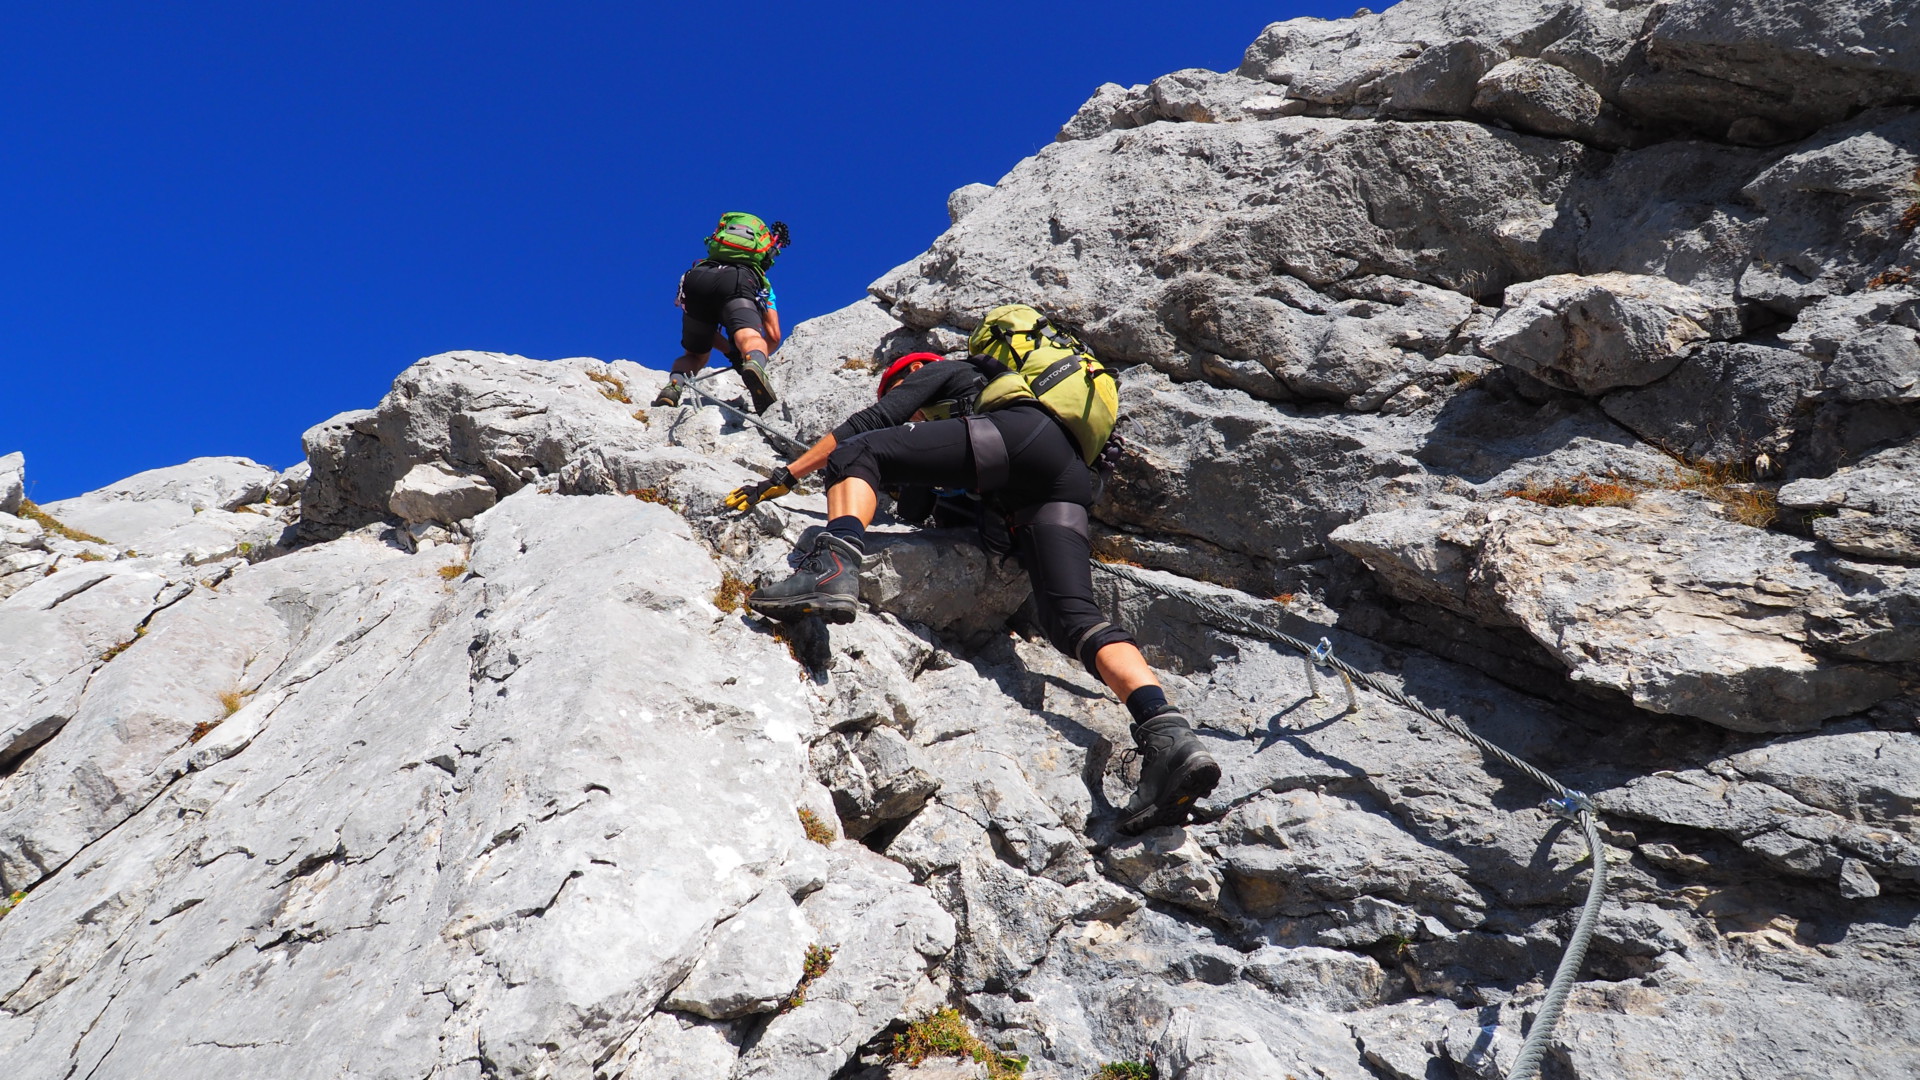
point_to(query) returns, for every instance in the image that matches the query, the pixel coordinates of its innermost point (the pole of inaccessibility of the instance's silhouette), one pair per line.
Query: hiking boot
(826, 583)
(669, 395)
(753, 372)
(1175, 772)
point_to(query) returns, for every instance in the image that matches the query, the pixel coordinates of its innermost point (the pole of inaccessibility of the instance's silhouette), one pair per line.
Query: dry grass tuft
(200, 730)
(138, 633)
(232, 700)
(656, 496)
(1111, 559)
(641, 415)
(90, 556)
(817, 830)
(732, 594)
(1464, 379)
(945, 1034)
(856, 363)
(783, 634)
(1581, 490)
(819, 958)
(1898, 275)
(611, 388)
(32, 512)
(1285, 599)
(1731, 485)
(452, 571)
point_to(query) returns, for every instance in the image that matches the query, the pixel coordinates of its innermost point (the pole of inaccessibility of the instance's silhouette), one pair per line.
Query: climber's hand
(745, 498)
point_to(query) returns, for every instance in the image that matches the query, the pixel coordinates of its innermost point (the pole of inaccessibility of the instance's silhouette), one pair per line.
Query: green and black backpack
(1048, 365)
(743, 238)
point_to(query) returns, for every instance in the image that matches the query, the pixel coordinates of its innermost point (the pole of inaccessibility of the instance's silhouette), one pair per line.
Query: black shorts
(716, 296)
(1043, 467)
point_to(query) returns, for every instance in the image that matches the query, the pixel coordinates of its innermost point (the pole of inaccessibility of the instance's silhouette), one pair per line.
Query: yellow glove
(745, 498)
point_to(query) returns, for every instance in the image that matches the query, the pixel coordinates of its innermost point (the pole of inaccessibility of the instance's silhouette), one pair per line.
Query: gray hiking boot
(1175, 773)
(826, 582)
(669, 395)
(753, 372)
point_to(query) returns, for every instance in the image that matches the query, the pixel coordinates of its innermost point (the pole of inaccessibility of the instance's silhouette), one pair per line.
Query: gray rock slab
(1871, 509)
(876, 777)
(431, 492)
(130, 511)
(1545, 99)
(13, 478)
(886, 933)
(751, 963)
(1724, 402)
(1597, 333)
(1721, 639)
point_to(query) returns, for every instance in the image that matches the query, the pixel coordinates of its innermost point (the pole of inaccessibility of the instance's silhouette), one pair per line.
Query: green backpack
(1048, 365)
(743, 238)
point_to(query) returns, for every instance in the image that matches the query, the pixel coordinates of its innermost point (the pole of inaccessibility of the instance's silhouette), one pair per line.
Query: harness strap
(1067, 515)
(991, 463)
(1085, 638)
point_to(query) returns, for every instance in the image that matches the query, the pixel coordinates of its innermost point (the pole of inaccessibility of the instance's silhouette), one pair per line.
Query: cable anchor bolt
(1572, 805)
(1322, 655)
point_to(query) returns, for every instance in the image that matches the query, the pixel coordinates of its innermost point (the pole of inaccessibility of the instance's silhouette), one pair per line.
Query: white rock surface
(13, 479)
(431, 492)
(155, 502)
(510, 798)
(1595, 334)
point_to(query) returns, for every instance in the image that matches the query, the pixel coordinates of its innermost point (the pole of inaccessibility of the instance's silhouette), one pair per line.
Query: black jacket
(953, 383)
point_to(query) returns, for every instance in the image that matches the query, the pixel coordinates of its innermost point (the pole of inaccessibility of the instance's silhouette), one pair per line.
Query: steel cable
(1567, 802)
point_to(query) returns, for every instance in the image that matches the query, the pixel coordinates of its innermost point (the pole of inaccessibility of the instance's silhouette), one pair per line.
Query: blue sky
(226, 222)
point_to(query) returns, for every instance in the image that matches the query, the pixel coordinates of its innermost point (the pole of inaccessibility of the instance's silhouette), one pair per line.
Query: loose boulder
(431, 492)
(1598, 333)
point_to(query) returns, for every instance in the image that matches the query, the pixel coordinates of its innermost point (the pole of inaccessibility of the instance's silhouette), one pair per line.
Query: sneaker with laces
(826, 582)
(1175, 773)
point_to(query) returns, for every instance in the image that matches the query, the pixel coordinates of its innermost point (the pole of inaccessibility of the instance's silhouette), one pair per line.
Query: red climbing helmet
(898, 368)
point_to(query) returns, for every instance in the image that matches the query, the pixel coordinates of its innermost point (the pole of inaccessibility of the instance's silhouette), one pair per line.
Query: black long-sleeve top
(956, 381)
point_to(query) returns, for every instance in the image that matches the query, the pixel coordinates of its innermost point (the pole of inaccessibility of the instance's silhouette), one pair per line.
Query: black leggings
(1044, 467)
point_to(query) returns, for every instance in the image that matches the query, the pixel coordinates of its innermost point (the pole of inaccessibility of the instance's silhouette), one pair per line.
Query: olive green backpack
(1048, 365)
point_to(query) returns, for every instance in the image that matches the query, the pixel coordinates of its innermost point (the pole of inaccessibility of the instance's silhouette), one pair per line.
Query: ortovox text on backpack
(1051, 366)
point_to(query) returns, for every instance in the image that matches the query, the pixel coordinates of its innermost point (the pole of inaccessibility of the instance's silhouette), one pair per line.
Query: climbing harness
(1566, 802)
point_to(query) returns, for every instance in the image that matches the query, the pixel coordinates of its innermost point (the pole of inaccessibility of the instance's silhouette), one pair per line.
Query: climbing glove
(745, 498)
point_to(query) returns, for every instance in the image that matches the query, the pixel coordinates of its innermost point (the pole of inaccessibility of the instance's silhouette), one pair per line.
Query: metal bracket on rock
(1572, 805)
(1322, 655)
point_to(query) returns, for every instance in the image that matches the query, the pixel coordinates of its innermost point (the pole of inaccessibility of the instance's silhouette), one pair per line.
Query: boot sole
(832, 608)
(758, 389)
(1195, 781)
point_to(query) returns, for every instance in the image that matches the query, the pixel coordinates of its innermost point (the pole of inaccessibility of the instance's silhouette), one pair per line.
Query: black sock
(848, 528)
(751, 354)
(1147, 702)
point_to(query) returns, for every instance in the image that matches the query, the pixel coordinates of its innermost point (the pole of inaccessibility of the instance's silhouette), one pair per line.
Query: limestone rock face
(1594, 334)
(152, 504)
(1549, 359)
(1871, 509)
(431, 492)
(13, 475)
